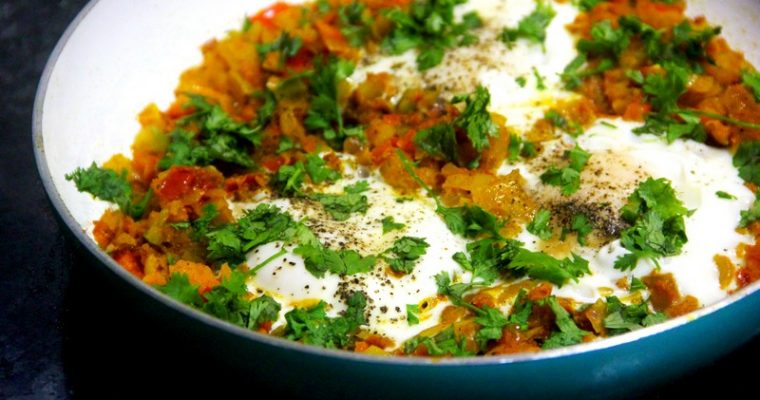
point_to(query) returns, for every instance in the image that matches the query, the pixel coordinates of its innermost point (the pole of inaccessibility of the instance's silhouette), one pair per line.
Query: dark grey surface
(67, 330)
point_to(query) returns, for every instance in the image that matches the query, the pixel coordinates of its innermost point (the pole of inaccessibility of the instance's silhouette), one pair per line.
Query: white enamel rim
(91, 246)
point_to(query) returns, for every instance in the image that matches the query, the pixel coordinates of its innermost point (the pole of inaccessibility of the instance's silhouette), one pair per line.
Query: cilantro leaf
(725, 195)
(747, 161)
(751, 79)
(581, 226)
(687, 126)
(569, 333)
(389, 224)
(412, 312)
(605, 40)
(751, 215)
(286, 45)
(439, 141)
(179, 288)
(288, 180)
(532, 27)
(219, 137)
(491, 322)
(286, 143)
(470, 221)
(404, 253)
(264, 224)
(475, 119)
(341, 206)
(622, 318)
(636, 285)
(559, 121)
(539, 226)
(263, 309)
(454, 291)
(541, 266)
(587, 5)
(657, 218)
(318, 170)
(313, 326)
(442, 344)
(429, 27)
(107, 185)
(486, 256)
(326, 114)
(355, 23)
(568, 179)
(319, 260)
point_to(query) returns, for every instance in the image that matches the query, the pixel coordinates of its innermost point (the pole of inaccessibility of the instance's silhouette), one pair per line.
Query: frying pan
(119, 55)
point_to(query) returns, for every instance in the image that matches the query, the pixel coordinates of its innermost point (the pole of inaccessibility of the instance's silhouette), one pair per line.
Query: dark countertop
(66, 330)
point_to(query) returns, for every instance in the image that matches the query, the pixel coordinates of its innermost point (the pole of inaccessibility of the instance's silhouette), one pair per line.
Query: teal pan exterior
(616, 367)
(621, 367)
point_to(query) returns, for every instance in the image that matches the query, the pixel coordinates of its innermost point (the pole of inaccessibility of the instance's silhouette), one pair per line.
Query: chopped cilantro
(429, 27)
(318, 170)
(355, 23)
(558, 120)
(574, 73)
(326, 114)
(540, 84)
(313, 326)
(439, 141)
(751, 215)
(219, 137)
(532, 27)
(179, 288)
(605, 40)
(107, 185)
(201, 225)
(485, 257)
(569, 333)
(319, 260)
(587, 5)
(289, 179)
(521, 81)
(412, 314)
(657, 227)
(539, 226)
(264, 224)
(475, 119)
(623, 318)
(581, 226)
(687, 127)
(286, 144)
(568, 179)
(389, 224)
(228, 301)
(539, 265)
(286, 45)
(404, 253)
(725, 195)
(341, 206)
(751, 79)
(636, 285)
(491, 322)
(442, 344)
(747, 161)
